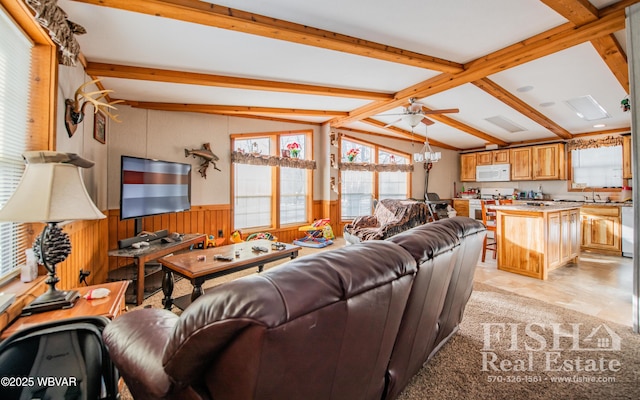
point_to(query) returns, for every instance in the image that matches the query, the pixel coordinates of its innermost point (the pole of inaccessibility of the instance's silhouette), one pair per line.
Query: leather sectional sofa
(352, 323)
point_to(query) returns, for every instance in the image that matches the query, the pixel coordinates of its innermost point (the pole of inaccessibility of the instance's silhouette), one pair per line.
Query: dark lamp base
(52, 300)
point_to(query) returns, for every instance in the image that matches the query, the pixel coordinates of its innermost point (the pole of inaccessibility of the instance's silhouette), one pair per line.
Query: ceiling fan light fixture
(414, 119)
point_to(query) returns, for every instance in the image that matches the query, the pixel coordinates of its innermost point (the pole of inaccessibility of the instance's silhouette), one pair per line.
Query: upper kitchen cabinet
(484, 158)
(468, 167)
(492, 157)
(627, 161)
(520, 164)
(548, 162)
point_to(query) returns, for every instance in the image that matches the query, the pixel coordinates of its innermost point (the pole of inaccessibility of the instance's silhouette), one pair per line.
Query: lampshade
(50, 191)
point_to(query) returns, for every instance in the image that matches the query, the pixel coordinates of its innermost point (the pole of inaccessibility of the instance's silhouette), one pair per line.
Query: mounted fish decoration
(206, 155)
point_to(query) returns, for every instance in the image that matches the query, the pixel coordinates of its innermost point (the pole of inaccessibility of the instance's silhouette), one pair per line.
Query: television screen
(151, 187)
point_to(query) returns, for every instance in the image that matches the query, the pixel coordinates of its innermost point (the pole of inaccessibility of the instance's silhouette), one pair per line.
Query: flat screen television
(152, 187)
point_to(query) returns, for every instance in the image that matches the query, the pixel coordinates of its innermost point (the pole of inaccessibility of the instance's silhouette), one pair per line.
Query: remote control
(260, 249)
(223, 258)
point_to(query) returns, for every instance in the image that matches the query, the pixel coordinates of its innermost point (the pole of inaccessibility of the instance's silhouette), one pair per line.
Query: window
(15, 66)
(293, 184)
(357, 186)
(360, 187)
(392, 185)
(267, 196)
(597, 167)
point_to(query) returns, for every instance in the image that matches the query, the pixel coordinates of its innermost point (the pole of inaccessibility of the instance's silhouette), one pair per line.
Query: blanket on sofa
(389, 218)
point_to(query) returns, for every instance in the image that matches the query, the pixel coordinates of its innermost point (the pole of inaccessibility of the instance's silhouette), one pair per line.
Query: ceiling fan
(415, 113)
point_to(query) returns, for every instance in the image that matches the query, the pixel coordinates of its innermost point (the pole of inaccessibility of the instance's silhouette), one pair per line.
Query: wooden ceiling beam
(580, 12)
(614, 56)
(376, 134)
(204, 13)
(268, 118)
(536, 47)
(409, 135)
(467, 129)
(523, 108)
(238, 110)
(192, 78)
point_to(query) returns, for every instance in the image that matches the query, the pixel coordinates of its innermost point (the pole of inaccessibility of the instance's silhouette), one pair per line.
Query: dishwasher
(627, 231)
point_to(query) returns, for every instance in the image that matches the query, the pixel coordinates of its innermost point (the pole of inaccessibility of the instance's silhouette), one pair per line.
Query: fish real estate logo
(552, 347)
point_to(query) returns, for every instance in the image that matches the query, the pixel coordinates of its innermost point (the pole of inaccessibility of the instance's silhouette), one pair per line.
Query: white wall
(165, 135)
(82, 141)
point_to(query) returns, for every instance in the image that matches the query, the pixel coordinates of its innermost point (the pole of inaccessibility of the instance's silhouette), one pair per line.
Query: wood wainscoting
(208, 220)
(88, 252)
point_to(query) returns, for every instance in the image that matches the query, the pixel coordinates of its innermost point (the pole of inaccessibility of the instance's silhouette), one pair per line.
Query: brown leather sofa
(326, 326)
(440, 291)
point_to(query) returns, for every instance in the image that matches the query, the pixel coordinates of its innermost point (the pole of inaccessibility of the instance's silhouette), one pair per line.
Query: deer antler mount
(74, 108)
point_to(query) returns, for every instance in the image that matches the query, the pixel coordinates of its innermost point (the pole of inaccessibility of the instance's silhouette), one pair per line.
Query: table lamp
(51, 190)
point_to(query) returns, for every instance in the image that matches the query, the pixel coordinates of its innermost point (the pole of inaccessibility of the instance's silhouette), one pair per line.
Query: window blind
(15, 65)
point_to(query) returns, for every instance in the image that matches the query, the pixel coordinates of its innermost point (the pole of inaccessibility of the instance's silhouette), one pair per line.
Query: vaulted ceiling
(356, 63)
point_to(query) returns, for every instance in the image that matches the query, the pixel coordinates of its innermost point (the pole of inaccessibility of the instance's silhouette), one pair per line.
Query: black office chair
(63, 359)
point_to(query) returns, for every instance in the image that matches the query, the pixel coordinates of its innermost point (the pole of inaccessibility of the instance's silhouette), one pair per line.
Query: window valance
(579, 144)
(273, 161)
(352, 166)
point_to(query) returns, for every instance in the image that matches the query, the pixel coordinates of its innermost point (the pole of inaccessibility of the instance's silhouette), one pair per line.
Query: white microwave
(493, 173)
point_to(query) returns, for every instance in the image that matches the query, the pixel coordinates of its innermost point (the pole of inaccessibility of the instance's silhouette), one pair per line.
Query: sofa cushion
(426, 241)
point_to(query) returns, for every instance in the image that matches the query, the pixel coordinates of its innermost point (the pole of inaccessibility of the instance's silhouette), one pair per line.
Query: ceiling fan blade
(391, 123)
(427, 121)
(443, 111)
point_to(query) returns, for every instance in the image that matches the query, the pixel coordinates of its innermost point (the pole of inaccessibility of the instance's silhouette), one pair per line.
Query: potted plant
(294, 149)
(351, 154)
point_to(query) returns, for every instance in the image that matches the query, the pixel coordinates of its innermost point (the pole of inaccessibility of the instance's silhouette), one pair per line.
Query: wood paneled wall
(88, 252)
(91, 240)
(208, 220)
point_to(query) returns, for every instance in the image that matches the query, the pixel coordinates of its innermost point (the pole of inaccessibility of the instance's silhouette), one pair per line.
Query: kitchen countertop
(579, 203)
(545, 207)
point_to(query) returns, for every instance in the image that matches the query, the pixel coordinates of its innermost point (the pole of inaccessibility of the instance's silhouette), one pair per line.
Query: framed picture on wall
(100, 127)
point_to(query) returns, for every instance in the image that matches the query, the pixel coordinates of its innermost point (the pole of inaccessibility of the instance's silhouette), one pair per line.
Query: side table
(154, 251)
(110, 307)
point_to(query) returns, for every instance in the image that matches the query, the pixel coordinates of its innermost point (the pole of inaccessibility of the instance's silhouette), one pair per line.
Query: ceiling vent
(505, 124)
(587, 108)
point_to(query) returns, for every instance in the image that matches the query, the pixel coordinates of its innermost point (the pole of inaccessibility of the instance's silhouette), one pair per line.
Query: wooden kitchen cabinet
(520, 164)
(535, 240)
(548, 162)
(468, 167)
(570, 221)
(500, 156)
(492, 157)
(601, 229)
(461, 206)
(484, 158)
(627, 160)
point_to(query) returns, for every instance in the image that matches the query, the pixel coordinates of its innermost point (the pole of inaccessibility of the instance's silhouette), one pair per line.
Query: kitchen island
(535, 239)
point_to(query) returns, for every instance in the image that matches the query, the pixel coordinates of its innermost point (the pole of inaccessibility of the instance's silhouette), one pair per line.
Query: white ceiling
(459, 31)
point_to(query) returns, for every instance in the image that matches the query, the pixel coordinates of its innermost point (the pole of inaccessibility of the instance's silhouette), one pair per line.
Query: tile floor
(597, 285)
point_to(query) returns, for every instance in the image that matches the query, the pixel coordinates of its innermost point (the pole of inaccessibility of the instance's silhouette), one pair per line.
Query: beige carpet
(506, 348)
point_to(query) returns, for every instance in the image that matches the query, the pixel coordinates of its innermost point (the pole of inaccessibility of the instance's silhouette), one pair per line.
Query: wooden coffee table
(201, 265)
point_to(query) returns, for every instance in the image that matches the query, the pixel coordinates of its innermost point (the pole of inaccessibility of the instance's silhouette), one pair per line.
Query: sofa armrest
(136, 343)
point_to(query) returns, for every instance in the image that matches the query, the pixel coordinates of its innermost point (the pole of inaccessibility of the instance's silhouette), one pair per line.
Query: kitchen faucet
(593, 194)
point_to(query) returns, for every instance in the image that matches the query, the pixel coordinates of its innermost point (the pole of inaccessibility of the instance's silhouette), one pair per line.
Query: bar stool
(489, 220)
